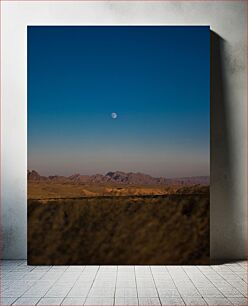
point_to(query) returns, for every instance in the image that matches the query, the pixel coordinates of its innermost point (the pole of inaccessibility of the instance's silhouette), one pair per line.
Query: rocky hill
(119, 177)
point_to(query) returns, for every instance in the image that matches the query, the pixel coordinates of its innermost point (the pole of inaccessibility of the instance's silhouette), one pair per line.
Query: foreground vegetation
(161, 229)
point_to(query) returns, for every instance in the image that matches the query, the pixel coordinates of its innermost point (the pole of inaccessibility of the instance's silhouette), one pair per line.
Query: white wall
(228, 105)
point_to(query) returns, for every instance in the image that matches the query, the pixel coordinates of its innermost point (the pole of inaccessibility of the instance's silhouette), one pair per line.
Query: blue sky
(156, 78)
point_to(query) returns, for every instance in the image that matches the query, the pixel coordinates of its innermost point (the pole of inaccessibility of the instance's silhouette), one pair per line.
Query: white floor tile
(126, 292)
(38, 290)
(99, 301)
(126, 301)
(130, 285)
(7, 301)
(192, 292)
(149, 301)
(230, 292)
(217, 301)
(50, 301)
(194, 301)
(166, 301)
(102, 292)
(210, 292)
(75, 268)
(58, 291)
(73, 301)
(80, 290)
(125, 283)
(26, 301)
(167, 292)
(147, 292)
(239, 301)
(145, 282)
(125, 269)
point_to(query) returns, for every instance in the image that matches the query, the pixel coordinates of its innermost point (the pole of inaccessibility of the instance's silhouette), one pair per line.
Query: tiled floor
(123, 285)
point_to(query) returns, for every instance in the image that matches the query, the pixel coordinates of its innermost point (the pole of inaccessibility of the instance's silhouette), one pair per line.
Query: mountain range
(118, 177)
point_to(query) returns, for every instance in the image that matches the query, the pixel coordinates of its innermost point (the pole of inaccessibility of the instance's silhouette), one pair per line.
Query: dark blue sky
(155, 78)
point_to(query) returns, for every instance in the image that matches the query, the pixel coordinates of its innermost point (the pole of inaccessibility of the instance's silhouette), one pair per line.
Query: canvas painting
(118, 145)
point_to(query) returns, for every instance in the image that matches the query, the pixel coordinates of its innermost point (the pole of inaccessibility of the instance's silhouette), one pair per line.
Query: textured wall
(228, 104)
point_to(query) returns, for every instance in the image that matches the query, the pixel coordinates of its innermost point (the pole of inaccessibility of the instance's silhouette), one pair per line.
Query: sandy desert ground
(48, 190)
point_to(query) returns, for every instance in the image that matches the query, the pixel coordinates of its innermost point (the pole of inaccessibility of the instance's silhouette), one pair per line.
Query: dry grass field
(116, 229)
(54, 190)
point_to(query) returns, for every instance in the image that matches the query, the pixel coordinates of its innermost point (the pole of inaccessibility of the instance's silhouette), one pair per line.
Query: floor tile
(126, 292)
(194, 301)
(75, 268)
(217, 301)
(80, 290)
(167, 292)
(26, 301)
(166, 301)
(73, 301)
(50, 301)
(99, 301)
(126, 301)
(230, 292)
(38, 290)
(7, 301)
(145, 282)
(102, 292)
(124, 285)
(149, 301)
(238, 301)
(193, 292)
(210, 292)
(147, 292)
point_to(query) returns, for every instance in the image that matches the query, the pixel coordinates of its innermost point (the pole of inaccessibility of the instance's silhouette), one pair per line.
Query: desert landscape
(118, 145)
(111, 184)
(117, 218)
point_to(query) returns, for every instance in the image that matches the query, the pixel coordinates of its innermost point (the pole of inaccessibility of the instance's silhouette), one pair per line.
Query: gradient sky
(156, 78)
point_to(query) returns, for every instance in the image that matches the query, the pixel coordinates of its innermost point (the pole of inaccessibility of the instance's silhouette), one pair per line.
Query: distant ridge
(119, 177)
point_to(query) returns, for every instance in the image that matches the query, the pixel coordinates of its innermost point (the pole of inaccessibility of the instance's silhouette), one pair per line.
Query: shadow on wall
(224, 230)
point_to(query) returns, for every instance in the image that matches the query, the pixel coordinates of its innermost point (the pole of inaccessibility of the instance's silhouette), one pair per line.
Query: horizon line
(104, 174)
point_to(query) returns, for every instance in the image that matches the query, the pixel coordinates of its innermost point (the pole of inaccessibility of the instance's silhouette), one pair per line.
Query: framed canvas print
(118, 145)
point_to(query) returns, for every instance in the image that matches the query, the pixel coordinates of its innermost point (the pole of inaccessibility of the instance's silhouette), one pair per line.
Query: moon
(114, 115)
